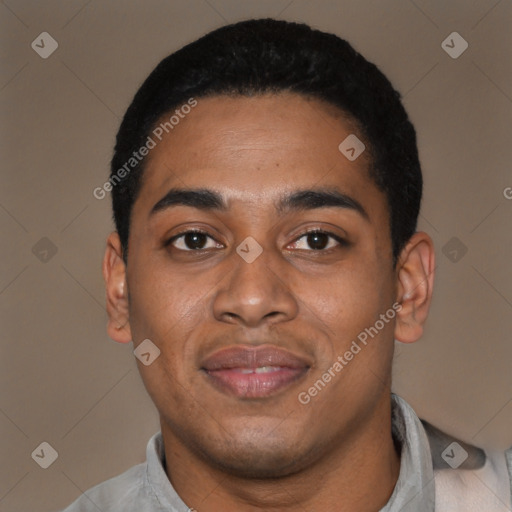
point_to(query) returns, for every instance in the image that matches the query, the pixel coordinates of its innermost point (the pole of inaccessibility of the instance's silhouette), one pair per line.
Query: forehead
(249, 148)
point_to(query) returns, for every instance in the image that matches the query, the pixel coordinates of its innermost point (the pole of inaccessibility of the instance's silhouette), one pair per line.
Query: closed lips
(240, 356)
(254, 372)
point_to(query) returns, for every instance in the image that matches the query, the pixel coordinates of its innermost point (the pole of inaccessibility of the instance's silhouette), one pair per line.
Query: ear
(114, 274)
(415, 275)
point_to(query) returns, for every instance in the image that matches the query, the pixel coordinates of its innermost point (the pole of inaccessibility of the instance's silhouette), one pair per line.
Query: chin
(275, 458)
(257, 465)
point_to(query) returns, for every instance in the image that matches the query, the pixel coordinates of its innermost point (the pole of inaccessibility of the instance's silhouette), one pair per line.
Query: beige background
(63, 381)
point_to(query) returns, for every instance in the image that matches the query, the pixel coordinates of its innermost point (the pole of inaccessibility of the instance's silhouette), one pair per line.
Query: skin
(272, 453)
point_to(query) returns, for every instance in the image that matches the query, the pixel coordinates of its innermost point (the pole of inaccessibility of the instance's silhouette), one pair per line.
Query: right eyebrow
(203, 199)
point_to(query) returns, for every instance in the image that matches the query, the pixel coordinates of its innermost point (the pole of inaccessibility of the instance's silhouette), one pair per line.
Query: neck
(361, 472)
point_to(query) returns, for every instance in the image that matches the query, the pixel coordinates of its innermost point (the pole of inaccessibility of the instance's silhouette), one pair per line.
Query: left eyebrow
(205, 199)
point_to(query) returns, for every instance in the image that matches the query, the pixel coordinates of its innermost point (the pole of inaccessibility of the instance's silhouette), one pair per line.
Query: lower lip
(254, 385)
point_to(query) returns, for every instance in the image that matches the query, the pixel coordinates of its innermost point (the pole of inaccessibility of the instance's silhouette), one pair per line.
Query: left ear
(415, 274)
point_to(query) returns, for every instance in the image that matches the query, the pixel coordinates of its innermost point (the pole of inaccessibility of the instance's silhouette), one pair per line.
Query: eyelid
(184, 231)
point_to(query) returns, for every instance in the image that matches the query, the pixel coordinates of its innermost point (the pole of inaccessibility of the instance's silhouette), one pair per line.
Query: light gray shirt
(437, 473)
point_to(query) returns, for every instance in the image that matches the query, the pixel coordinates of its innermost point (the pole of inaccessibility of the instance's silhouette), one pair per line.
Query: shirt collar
(156, 479)
(414, 490)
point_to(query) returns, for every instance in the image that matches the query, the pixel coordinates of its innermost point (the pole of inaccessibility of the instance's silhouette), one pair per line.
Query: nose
(255, 293)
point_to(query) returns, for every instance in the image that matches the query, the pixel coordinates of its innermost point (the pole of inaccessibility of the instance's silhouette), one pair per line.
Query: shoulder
(467, 477)
(124, 492)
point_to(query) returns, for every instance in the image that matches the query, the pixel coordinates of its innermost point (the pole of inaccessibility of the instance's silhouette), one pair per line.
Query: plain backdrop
(62, 381)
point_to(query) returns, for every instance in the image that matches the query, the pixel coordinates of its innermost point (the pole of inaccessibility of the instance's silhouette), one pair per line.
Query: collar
(414, 490)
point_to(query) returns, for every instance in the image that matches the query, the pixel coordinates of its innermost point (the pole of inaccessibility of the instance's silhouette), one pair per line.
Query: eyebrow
(205, 199)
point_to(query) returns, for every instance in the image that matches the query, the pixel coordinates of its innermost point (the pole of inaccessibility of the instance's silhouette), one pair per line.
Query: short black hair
(271, 56)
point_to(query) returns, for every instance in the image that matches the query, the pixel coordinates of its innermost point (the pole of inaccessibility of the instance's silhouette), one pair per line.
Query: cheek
(349, 292)
(167, 313)
(168, 308)
(163, 304)
(350, 300)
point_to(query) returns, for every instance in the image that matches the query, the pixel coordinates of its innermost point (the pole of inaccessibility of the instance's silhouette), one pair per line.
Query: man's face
(240, 339)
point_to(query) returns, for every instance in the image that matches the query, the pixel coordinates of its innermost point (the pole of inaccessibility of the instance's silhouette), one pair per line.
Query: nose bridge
(251, 276)
(254, 291)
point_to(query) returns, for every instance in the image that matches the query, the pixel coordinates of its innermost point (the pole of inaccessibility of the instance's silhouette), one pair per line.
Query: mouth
(254, 372)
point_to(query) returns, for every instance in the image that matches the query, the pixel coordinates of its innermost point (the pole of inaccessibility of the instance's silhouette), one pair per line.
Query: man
(266, 188)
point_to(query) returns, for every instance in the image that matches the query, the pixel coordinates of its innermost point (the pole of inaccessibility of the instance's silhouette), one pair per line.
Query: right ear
(114, 274)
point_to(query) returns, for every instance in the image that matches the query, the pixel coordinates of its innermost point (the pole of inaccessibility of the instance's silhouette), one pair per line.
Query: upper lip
(240, 356)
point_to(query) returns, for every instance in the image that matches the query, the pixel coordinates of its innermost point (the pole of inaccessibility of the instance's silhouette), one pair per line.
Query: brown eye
(317, 241)
(194, 241)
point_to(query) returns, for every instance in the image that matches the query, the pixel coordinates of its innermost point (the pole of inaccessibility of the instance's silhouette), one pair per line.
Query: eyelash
(341, 242)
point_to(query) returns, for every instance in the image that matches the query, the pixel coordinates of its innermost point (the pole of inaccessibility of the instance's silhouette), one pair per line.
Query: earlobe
(114, 274)
(415, 275)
